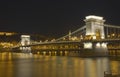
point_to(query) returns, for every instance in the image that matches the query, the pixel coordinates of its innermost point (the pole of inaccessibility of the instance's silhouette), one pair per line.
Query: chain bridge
(95, 35)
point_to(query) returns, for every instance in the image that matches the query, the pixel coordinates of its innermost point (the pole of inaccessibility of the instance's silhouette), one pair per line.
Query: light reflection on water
(28, 65)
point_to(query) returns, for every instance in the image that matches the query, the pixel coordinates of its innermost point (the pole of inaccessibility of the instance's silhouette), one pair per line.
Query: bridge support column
(25, 49)
(99, 47)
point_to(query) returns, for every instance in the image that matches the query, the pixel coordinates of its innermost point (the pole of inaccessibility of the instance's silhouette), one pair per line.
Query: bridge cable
(72, 33)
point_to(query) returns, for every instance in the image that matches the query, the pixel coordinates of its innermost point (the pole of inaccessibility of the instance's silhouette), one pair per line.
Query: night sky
(54, 17)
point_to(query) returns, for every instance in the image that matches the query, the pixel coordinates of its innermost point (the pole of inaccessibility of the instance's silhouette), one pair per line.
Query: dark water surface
(33, 65)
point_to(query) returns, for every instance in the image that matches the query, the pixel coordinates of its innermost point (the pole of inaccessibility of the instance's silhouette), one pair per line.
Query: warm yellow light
(6, 44)
(98, 45)
(63, 38)
(94, 37)
(74, 38)
(113, 34)
(44, 53)
(1, 33)
(7, 33)
(94, 17)
(104, 45)
(24, 36)
(88, 45)
(38, 52)
(102, 37)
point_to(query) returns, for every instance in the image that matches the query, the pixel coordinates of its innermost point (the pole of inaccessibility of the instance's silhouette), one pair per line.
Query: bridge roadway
(72, 42)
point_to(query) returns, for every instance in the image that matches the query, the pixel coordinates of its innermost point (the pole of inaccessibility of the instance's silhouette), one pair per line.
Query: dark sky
(54, 17)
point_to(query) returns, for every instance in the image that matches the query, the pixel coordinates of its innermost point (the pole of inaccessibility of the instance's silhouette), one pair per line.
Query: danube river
(35, 65)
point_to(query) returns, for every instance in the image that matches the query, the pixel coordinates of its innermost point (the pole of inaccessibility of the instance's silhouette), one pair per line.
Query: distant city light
(7, 33)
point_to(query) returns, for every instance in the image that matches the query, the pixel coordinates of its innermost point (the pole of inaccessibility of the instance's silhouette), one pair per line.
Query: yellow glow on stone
(94, 17)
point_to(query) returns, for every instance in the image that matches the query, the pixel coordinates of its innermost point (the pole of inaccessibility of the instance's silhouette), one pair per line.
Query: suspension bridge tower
(95, 30)
(25, 40)
(94, 27)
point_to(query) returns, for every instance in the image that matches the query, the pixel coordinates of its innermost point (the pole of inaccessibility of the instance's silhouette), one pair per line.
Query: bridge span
(93, 35)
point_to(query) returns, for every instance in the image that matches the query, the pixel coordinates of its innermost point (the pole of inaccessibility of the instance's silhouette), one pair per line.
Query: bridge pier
(25, 49)
(100, 48)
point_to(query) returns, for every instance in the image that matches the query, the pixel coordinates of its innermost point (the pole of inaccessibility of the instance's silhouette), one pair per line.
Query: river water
(35, 65)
